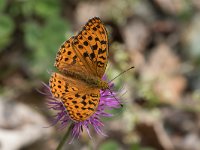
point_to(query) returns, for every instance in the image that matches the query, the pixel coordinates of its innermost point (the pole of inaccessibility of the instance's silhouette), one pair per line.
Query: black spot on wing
(84, 97)
(90, 38)
(85, 43)
(96, 39)
(74, 59)
(85, 54)
(83, 108)
(92, 56)
(91, 108)
(92, 103)
(80, 37)
(69, 52)
(84, 103)
(76, 42)
(100, 64)
(103, 42)
(80, 46)
(101, 51)
(94, 28)
(77, 95)
(74, 102)
(102, 57)
(94, 47)
(70, 98)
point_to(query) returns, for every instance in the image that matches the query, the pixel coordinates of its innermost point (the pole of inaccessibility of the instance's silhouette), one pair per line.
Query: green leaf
(47, 8)
(6, 28)
(33, 34)
(44, 42)
(2, 5)
(108, 145)
(42, 8)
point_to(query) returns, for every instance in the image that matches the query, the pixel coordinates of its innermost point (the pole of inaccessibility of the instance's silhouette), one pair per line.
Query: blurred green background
(160, 38)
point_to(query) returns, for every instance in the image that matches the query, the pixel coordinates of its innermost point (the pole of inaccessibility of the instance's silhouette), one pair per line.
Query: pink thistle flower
(108, 101)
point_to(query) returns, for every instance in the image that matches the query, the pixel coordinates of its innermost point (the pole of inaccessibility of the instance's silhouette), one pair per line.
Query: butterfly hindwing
(80, 100)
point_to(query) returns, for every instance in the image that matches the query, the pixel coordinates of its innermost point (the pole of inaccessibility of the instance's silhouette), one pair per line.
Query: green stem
(62, 142)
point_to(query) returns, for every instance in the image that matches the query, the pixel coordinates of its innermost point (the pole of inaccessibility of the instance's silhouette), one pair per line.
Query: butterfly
(81, 62)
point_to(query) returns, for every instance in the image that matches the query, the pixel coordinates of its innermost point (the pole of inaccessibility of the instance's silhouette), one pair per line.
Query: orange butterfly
(82, 61)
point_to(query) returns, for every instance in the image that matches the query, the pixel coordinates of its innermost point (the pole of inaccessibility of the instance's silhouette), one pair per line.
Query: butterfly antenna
(121, 73)
(115, 97)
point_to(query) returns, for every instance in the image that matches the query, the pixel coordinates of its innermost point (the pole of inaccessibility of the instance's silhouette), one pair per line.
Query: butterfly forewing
(92, 43)
(67, 59)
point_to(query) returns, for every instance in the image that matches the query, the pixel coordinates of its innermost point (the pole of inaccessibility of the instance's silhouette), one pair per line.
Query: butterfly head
(103, 85)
